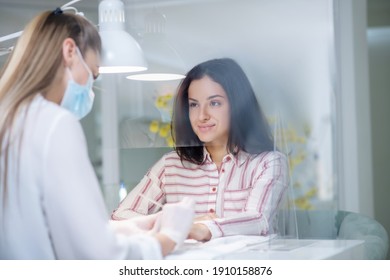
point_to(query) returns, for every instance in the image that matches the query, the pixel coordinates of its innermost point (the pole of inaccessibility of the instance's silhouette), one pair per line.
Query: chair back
(333, 224)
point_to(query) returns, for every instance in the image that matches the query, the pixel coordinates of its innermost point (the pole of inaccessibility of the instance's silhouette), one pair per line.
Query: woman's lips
(205, 128)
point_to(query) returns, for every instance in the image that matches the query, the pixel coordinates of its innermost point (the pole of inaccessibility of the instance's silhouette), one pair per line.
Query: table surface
(263, 248)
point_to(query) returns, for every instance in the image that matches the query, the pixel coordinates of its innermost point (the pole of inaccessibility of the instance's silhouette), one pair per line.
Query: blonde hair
(33, 65)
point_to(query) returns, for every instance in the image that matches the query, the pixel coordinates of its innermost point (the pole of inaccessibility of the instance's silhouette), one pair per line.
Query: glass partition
(286, 50)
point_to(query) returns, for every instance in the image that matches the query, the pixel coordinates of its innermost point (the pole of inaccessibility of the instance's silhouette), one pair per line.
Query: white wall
(353, 129)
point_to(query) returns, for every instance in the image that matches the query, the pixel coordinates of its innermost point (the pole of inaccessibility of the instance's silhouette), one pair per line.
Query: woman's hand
(199, 232)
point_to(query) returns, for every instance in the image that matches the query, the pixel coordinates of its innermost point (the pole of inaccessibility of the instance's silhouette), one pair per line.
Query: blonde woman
(46, 179)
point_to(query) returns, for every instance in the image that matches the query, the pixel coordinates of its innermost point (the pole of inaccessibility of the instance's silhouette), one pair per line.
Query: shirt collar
(206, 155)
(239, 158)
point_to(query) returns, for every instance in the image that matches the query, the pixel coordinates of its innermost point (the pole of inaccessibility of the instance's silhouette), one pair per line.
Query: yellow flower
(303, 203)
(161, 102)
(154, 126)
(311, 193)
(164, 130)
(168, 96)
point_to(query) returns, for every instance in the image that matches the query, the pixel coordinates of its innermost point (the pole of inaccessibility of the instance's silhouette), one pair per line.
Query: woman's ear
(68, 51)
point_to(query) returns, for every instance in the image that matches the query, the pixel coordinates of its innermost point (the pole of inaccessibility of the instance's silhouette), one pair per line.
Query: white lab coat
(56, 210)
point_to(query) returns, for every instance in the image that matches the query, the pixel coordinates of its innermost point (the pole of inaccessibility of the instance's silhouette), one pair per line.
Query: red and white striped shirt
(245, 193)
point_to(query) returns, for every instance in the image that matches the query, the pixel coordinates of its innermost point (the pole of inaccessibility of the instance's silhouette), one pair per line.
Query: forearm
(245, 223)
(135, 204)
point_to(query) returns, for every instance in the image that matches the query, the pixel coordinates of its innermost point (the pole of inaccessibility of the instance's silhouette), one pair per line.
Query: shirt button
(214, 189)
(223, 170)
(211, 210)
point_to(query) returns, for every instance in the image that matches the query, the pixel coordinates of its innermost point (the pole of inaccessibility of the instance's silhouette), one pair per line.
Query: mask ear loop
(69, 73)
(90, 76)
(84, 63)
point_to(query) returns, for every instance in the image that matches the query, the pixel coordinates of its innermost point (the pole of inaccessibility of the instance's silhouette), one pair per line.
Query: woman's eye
(215, 103)
(192, 104)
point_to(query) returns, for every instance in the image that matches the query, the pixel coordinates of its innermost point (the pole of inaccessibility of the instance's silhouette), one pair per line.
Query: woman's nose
(203, 113)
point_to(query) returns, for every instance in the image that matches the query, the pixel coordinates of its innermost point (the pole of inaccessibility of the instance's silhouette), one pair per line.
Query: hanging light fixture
(121, 52)
(164, 62)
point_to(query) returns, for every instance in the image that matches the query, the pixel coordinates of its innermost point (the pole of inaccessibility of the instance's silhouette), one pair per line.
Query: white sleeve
(73, 204)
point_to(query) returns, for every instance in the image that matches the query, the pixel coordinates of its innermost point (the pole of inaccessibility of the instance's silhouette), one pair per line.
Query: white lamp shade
(121, 52)
(164, 62)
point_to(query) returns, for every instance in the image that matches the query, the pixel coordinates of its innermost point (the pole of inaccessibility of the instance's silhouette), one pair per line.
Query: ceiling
(15, 14)
(46, 4)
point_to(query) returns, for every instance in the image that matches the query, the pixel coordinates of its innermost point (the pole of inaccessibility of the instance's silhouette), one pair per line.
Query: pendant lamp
(164, 62)
(121, 52)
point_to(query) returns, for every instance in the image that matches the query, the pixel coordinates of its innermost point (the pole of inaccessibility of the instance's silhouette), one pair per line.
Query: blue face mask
(78, 99)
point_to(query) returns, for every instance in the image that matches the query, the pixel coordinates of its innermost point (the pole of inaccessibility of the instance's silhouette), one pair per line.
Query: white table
(257, 247)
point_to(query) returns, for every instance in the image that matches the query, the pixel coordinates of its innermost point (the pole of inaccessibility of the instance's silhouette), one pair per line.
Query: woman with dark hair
(224, 158)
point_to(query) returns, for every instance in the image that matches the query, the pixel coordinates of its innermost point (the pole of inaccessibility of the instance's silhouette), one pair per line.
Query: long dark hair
(249, 129)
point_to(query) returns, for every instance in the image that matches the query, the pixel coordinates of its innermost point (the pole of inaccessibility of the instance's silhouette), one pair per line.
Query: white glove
(176, 220)
(141, 224)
